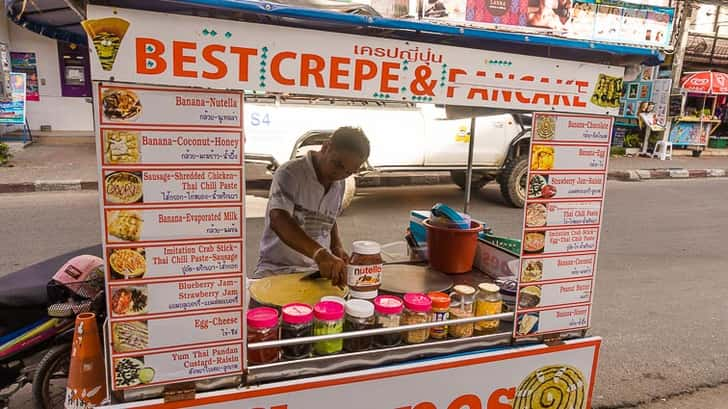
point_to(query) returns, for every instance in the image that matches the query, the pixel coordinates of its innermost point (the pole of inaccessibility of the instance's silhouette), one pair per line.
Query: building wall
(61, 113)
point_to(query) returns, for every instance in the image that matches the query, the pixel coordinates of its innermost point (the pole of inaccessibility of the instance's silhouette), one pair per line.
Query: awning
(60, 19)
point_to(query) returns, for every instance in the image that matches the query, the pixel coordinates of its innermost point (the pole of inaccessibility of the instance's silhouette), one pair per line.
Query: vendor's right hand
(332, 267)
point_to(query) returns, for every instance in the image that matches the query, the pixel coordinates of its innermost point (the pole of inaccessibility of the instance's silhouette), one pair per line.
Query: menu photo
(169, 107)
(167, 260)
(155, 224)
(159, 186)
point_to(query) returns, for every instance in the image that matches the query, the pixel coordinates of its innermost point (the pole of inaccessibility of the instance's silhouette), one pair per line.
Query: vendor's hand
(332, 267)
(340, 253)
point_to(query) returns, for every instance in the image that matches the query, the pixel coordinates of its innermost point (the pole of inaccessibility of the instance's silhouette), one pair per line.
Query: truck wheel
(513, 181)
(479, 180)
(349, 192)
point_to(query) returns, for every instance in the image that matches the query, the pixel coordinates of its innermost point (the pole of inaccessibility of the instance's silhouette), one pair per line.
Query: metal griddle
(410, 278)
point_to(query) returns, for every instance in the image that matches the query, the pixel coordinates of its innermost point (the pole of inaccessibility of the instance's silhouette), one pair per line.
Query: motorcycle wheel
(50, 378)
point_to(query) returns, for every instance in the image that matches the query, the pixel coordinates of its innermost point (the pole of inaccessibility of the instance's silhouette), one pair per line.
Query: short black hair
(351, 139)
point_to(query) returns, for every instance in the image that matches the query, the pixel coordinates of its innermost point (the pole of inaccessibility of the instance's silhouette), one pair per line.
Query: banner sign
(562, 222)
(26, 63)
(145, 47)
(605, 21)
(560, 376)
(172, 191)
(12, 112)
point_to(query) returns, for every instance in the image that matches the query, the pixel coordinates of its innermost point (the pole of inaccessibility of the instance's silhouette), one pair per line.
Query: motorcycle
(37, 316)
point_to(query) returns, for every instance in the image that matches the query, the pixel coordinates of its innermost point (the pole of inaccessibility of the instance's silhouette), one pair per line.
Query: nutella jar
(364, 272)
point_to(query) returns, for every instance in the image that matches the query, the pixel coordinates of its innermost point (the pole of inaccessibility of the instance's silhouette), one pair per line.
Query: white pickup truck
(403, 137)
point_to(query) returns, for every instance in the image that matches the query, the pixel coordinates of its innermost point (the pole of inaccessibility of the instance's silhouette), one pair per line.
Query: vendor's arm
(331, 266)
(336, 246)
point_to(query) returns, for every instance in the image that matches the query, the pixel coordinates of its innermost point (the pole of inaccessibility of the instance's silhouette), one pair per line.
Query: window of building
(705, 19)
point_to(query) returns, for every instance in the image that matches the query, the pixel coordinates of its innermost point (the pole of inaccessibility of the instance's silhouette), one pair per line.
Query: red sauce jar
(262, 326)
(364, 272)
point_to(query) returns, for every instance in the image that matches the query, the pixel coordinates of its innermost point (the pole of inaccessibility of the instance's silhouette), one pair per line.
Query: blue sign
(12, 111)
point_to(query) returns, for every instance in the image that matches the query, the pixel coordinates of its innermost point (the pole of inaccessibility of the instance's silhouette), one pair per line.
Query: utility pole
(687, 14)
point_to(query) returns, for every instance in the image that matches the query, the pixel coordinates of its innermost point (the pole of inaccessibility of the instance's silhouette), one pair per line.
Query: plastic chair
(663, 150)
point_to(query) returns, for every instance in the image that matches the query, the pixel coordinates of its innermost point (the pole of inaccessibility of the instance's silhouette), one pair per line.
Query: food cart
(170, 123)
(692, 128)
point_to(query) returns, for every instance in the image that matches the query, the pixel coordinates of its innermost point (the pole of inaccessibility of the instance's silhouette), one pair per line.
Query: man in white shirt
(305, 199)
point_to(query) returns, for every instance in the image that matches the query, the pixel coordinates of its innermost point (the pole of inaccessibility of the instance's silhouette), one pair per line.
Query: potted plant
(632, 143)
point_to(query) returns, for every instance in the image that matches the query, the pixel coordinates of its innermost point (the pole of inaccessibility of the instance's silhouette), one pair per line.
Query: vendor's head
(344, 153)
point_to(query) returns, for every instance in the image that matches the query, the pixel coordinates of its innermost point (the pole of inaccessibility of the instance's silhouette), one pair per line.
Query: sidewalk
(44, 167)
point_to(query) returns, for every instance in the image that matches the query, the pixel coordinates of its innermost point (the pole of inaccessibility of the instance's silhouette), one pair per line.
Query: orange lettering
(244, 55)
(336, 72)
(388, 76)
(149, 50)
(545, 97)
(452, 77)
(578, 102)
(308, 70)
(494, 401)
(471, 401)
(360, 75)
(275, 67)
(179, 58)
(209, 56)
(521, 98)
(425, 405)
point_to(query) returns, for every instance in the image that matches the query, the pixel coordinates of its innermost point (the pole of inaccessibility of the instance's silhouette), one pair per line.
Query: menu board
(172, 211)
(562, 221)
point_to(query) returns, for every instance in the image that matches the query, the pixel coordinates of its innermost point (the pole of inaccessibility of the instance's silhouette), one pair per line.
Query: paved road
(660, 297)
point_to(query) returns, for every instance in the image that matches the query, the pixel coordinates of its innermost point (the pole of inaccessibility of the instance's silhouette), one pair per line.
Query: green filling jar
(329, 319)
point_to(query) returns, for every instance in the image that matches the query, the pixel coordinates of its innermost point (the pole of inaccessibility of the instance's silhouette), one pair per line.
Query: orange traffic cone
(86, 378)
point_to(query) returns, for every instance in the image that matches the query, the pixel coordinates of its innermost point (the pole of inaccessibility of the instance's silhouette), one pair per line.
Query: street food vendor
(305, 198)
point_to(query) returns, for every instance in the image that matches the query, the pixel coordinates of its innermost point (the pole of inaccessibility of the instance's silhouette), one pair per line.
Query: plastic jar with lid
(328, 319)
(462, 300)
(417, 308)
(440, 312)
(297, 322)
(488, 301)
(262, 326)
(388, 313)
(364, 271)
(359, 317)
(334, 298)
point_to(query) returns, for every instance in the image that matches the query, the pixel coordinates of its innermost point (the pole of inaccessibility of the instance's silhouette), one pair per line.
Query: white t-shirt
(296, 189)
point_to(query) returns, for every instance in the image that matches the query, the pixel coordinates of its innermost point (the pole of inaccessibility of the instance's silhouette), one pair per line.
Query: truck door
(448, 139)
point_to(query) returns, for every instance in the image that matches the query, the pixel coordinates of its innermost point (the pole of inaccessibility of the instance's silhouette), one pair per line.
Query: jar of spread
(417, 309)
(364, 272)
(262, 326)
(488, 301)
(328, 319)
(359, 317)
(388, 313)
(440, 312)
(297, 323)
(462, 301)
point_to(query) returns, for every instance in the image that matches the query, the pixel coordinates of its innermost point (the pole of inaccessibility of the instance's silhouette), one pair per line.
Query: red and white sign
(562, 221)
(172, 206)
(224, 54)
(566, 372)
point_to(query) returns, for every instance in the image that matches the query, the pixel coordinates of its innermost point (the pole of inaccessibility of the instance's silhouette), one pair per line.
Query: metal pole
(687, 19)
(469, 172)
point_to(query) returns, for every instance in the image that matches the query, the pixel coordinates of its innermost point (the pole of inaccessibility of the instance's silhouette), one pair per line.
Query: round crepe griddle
(283, 289)
(407, 278)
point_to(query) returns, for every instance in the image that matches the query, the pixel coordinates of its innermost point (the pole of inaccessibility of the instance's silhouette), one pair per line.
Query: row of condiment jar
(334, 315)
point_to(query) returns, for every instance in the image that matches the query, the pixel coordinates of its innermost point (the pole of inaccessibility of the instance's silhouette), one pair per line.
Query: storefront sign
(563, 216)
(12, 112)
(236, 55)
(172, 211)
(527, 377)
(690, 133)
